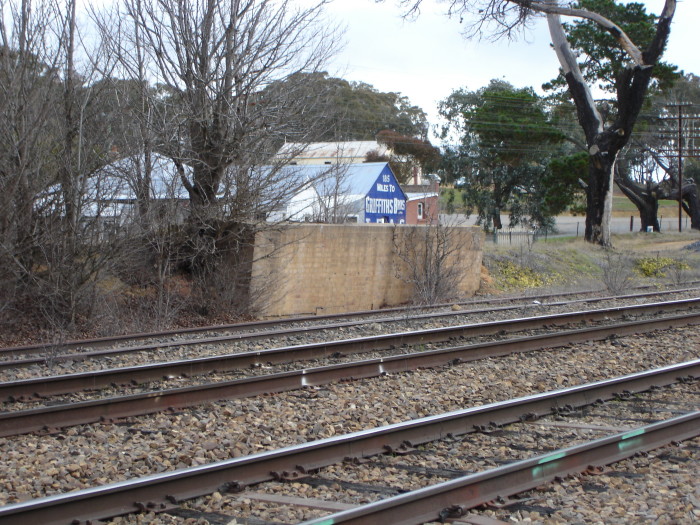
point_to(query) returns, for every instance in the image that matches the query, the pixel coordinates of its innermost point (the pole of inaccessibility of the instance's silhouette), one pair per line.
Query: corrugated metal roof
(417, 196)
(342, 151)
(297, 186)
(350, 182)
(119, 179)
(353, 179)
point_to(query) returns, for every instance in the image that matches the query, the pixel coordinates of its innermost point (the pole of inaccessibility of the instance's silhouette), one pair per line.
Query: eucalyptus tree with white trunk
(604, 140)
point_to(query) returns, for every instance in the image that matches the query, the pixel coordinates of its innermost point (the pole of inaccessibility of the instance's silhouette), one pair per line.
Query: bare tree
(637, 185)
(504, 18)
(429, 258)
(213, 60)
(27, 77)
(617, 271)
(51, 141)
(221, 110)
(642, 185)
(332, 203)
(78, 256)
(649, 169)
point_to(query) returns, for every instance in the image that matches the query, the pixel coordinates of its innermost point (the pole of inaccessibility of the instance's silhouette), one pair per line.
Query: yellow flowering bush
(657, 266)
(515, 276)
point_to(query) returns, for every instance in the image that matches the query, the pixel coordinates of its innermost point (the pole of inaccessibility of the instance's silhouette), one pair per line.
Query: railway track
(449, 440)
(49, 418)
(46, 386)
(311, 381)
(454, 498)
(29, 355)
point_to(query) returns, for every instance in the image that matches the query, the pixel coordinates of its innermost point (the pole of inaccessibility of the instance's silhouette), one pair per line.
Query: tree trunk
(645, 197)
(690, 200)
(691, 204)
(599, 199)
(70, 132)
(496, 218)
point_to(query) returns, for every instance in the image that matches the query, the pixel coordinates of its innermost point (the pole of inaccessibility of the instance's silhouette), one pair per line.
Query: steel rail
(157, 491)
(66, 383)
(453, 498)
(101, 342)
(107, 342)
(254, 336)
(110, 409)
(248, 336)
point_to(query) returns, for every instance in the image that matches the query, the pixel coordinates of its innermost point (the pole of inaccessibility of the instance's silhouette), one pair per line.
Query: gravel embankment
(437, 462)
(80, 457)
(178, 381)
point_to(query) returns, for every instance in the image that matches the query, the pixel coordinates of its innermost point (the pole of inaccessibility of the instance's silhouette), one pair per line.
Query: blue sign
(385, 202)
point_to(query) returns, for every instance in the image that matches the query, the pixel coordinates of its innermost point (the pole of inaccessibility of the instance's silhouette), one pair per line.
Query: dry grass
(569, 264)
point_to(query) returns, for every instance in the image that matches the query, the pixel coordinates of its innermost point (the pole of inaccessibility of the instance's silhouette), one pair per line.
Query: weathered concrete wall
(317, 269)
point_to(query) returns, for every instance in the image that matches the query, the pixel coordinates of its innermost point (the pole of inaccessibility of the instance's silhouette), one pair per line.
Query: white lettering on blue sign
(385, 202)
(384, 205)
(390, 188)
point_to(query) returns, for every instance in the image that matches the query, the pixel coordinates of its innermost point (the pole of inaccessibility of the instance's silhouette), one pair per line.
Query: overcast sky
(427, 59)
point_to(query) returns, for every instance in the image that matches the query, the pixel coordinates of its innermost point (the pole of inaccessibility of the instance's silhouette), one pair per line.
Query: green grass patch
(622, 205)
(451, 200)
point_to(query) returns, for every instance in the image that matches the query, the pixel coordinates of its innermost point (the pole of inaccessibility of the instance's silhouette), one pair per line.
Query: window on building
(420, 210)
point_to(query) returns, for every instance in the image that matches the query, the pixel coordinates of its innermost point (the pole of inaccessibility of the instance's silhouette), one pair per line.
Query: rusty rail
(104, 342)
(46, 386)
(160, 490)
(104, 346)
(109, 409)
(453, 498)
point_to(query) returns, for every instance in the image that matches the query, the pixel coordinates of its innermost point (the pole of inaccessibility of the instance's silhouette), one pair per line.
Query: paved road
(567, 225)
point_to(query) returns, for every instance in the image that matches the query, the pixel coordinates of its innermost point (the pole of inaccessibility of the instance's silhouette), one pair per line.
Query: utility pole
(680, 162)
(680, 167)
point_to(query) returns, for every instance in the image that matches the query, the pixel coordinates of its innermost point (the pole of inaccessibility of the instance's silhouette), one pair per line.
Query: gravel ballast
(89, 455)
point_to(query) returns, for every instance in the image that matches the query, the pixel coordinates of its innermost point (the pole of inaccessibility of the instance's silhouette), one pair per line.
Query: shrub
(516, 276)
(616, 272)
(657, 266)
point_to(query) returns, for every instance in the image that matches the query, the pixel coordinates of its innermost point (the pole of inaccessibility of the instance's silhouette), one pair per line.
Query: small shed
(109, 198)
(423, 203)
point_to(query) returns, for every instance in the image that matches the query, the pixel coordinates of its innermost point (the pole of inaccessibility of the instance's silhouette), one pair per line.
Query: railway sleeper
(216, 518)
(318, 481)
(428, 471)
(514, 505)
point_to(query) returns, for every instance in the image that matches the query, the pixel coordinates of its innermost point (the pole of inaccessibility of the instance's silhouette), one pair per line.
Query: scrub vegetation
(569, 264)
